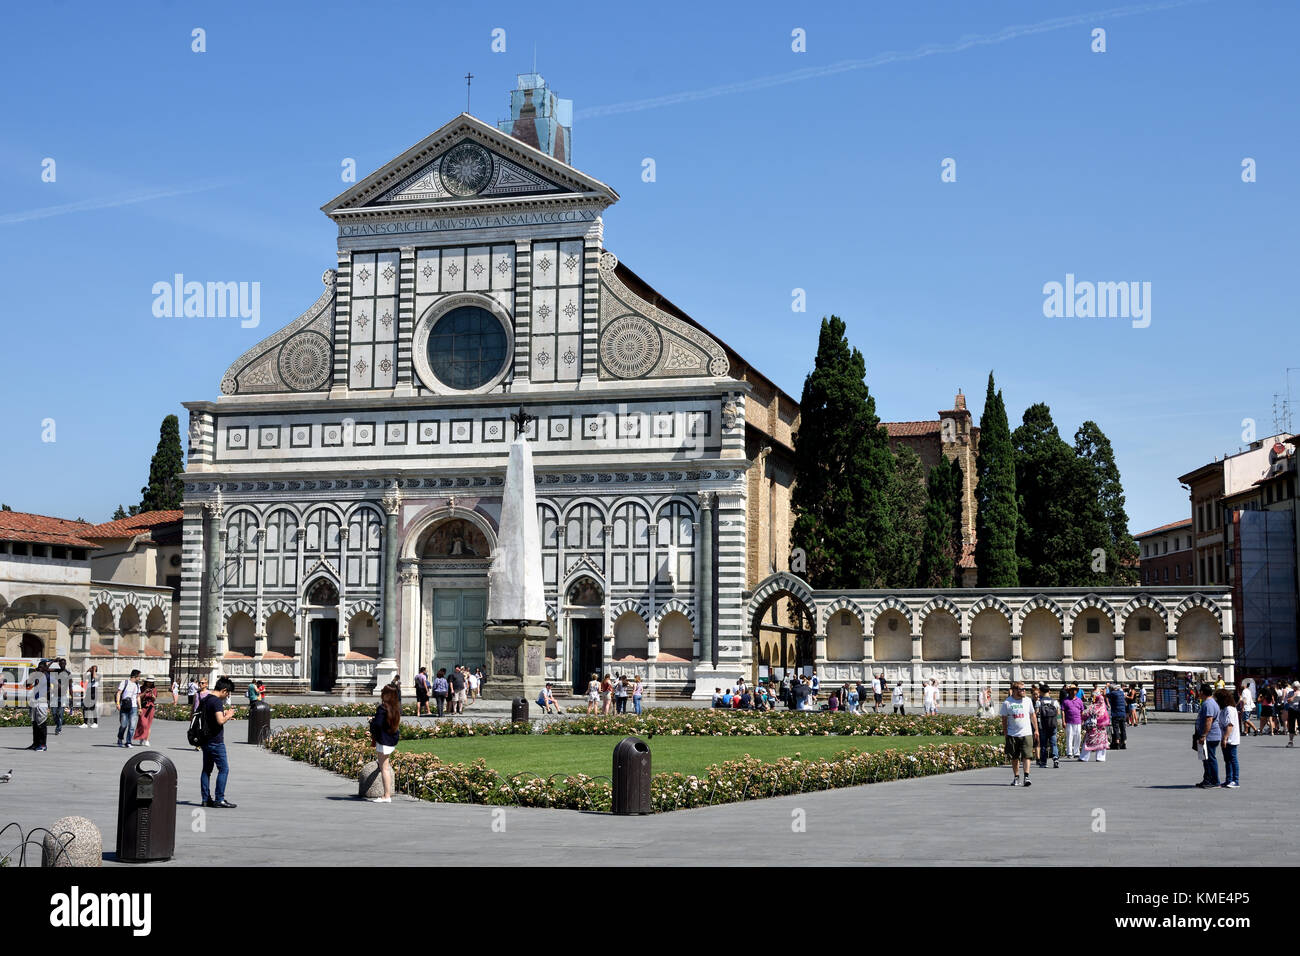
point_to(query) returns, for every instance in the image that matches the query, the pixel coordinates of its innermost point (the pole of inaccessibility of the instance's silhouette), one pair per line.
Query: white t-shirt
(875, 685)
(898, 695)
(1018, 713)
(1247, 698)
(929, 693)
(130, 690)
(1228, 715)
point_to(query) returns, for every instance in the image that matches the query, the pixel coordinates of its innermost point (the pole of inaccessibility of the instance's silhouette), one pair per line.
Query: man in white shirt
(930, 697)
(876, 691)
(1020, 726)
(1246, 707)
(900, 706)
(128, 708)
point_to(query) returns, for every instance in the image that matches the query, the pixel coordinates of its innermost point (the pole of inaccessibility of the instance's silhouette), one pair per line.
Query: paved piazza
(294, 814)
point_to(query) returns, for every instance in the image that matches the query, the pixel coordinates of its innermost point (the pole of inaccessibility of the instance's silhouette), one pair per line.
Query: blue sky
(1115, 166)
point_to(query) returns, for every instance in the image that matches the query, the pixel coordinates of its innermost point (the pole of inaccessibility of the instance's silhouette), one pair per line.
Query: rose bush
(345, 750)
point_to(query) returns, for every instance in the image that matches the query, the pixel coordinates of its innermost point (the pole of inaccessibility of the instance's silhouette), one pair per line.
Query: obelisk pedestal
(516, 661)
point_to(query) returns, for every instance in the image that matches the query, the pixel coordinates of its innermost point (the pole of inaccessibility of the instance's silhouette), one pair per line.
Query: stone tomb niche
(940, 637)
(631, 637)
(363, 636)
(844, 637)
(676, 637)
(1094, 637)
(1144, 637)
(990, 636)
(892, 637)
(1199, 637)
(1040, 637)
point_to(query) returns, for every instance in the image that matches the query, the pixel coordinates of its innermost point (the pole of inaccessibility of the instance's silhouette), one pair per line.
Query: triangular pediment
(467, 162)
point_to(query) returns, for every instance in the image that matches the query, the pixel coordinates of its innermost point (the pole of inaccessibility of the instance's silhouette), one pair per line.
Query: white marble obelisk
(516, 594)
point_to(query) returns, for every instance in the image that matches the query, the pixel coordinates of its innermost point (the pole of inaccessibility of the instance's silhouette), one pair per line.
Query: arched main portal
(454, 553)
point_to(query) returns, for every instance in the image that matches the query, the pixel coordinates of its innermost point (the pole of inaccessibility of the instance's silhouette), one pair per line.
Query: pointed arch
(237, 607)
(629, 606)
(1083, 604)
(1142, 601)
(773, 585)
(890, 603)
(941, 603)
(843, 604)
(1194, 601)
(1035, 603)
(677, 606)
(991, 602)
(277, 607)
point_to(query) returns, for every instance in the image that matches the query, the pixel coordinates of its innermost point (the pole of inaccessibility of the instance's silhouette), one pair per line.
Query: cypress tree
(119, 514)
(995, 492)
(908, 517)
(843, 470)
(1053, 504)
(165, 489)
(941, 547)
(1097, 460)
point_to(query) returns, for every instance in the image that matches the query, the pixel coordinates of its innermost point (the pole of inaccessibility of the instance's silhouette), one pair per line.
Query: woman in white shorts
(383, 731)
(593, 694)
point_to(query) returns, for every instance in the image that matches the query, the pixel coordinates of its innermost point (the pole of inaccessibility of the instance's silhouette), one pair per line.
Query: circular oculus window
(467, 348)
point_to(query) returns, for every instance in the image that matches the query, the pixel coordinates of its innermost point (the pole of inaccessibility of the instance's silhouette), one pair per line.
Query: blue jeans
(126, 724)
(1231, 772)
(1047, 747)
(1211, 763)
(214, 754)
(636, 703)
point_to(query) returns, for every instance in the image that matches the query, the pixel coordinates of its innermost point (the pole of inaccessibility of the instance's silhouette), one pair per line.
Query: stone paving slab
(294, 814)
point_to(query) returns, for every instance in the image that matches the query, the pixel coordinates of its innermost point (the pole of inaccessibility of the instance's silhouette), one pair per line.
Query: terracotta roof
(1185, 523)
(128, 527)
(42, 529)
(900, 429)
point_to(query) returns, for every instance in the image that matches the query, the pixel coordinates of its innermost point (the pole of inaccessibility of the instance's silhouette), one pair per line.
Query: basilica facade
(343, 491)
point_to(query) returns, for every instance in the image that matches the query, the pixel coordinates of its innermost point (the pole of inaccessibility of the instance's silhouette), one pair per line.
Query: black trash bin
(146, 809)
(632, 776)
(259, 722)
(519, 709)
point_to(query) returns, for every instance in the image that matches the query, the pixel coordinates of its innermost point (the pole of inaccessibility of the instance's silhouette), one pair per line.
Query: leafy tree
(1053, 528)
(995, 493)
(941, 544)
(908, 517)
(165, 489)
(1097, 459)
(843, 470)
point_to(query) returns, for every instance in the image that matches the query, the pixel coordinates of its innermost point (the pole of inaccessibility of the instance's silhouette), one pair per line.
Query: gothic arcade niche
(456, 538)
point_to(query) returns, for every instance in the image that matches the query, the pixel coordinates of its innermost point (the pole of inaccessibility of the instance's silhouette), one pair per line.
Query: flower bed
(346, 750)
(290, 711)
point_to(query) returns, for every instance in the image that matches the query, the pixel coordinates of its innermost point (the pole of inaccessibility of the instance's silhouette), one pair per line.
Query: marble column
(213, 540)
(259, 623)
(708, 640)
(387, 662)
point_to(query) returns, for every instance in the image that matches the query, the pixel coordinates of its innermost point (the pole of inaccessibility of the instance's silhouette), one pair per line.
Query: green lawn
(593, 755)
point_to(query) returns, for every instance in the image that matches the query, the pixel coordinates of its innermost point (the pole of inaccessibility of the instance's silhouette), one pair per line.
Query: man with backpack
(1048, 713)
(208, 732)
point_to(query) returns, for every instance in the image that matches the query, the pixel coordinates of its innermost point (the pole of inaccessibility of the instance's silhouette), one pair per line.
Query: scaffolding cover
(1266, 563)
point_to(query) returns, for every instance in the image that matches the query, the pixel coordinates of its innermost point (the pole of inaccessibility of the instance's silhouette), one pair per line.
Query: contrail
(111, 202)
(881, 59)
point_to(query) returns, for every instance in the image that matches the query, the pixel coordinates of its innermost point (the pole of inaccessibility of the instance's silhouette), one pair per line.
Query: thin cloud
(109, 202)
(881, 59)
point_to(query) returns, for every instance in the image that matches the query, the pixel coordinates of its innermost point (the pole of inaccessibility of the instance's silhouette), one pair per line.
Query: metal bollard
(259, 722)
